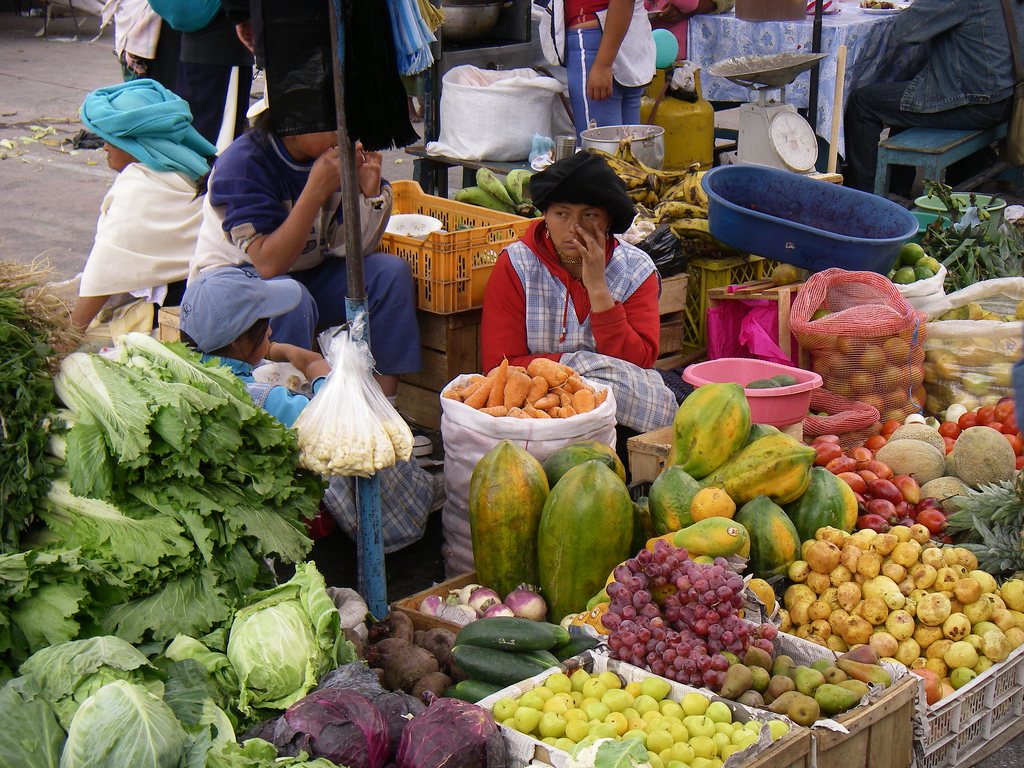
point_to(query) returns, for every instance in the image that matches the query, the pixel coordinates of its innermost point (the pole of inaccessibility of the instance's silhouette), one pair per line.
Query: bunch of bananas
(511, 197)
(673, 197)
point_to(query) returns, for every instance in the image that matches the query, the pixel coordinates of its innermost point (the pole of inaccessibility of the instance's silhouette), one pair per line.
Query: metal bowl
(468, 20)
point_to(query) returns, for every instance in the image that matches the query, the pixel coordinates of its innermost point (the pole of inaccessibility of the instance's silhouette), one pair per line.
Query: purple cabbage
(339, 725)
(451, 734)
(398, 709)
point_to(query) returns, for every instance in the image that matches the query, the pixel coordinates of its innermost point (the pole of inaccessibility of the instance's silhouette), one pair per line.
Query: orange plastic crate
(451, 267)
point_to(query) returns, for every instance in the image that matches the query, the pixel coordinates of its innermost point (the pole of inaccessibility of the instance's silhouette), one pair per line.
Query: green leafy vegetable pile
(190, 486)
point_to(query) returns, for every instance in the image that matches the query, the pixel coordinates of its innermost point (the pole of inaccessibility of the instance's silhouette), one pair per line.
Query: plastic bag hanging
(350, 428)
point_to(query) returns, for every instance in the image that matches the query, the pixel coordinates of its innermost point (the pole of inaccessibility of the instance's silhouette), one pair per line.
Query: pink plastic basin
(778, 406)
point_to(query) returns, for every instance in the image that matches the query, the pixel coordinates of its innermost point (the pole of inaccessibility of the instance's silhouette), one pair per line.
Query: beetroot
(451, 734)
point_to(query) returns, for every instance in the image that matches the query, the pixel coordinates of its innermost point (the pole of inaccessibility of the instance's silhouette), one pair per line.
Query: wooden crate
(881, 735)
(410, 605)
(450, 346)
(167, 324)
(673, 294)
(782, 295)
(672, 350)
(791, 751)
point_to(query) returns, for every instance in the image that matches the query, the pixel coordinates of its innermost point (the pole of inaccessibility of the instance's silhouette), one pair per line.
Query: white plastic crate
(521, 749)
(961, 724)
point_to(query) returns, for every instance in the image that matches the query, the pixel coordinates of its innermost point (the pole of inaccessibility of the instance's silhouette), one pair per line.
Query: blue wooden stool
(931, 149)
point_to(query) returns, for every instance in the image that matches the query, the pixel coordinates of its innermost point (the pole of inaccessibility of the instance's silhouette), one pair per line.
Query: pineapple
(993, 521)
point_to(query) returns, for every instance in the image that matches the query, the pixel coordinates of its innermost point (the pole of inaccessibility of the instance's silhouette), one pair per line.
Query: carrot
(553, 411)
(454, 394)
(495, 410)
(566, 411)
(479, 398)
(600, 397)
(538, 389)
(583, 401)
(499, 375)
(574, 384)
(548, 401)
(534, 413)
(549, 369)
(564, 400)
(517, 413)
(516, 368)
(516, 390)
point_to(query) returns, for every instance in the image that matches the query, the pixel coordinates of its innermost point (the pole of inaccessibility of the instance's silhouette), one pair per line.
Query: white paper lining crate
(791, 751)
(962, 724)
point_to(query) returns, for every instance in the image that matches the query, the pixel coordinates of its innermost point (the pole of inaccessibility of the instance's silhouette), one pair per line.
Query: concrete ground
(51, 195)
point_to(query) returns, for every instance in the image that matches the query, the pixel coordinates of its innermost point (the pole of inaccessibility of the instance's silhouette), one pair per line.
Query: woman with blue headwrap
(149, 220)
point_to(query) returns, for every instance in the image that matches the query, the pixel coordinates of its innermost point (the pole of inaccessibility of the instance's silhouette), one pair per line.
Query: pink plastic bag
(746, 328)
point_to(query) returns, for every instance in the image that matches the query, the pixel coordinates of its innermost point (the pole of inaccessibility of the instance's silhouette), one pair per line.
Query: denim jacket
(969, 61)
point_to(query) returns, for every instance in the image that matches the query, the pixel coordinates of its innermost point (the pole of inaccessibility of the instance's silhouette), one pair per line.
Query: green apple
(549, 740)
(575, 714)
(659, 724)
(555, 704)
(654, 760)
(679, 733)
(577, 697)
(726, 728)
(695, 704)
(659, 740)
(511, 723)
(631, 713)
(747, 740)
(727, 750)
(602, 731)
(719, 712)
(637, 724)
(610, 680)
(665, 756)
(754, 725)
(578, 678)
(552, 724)
(617, 699)
(526, 719)
(532, 700)
(564, 744)
(619, 721)
(721, 740)
(646, 703)
(655, 687)
(701, 762)
(597, 711)
(558, 683)
(577, 730)
(682, 752)
(677, 764)
(699, 725)
(671, 708)
(779, 729)
(544, 693)
(636, 734)
(703, 746)
(504, 708)
(594, 687)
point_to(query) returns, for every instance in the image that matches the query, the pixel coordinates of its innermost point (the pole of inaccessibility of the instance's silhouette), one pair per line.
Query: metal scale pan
(775, 70)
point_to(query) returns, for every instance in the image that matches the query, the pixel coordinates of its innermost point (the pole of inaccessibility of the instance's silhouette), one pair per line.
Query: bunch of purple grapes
(697, 620)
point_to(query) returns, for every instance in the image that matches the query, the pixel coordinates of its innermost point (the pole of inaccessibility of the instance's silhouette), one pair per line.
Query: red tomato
(995, 425)
(1010, 423)
(950, 442)
(1020, 462)
(932, 519)
(867, 474)
(1004, 409)
(968, 420)
(986, 414)
(860, 454)
(1016, 443)
(950, 429)
(826, 452)
(875, 442)
(827, 439)
(855, 481)
(841, 464)
(890, 426)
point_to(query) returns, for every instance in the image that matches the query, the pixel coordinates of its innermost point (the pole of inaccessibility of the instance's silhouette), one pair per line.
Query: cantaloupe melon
(945, 489)
(917, 458)
(919, 432)
(982, 455)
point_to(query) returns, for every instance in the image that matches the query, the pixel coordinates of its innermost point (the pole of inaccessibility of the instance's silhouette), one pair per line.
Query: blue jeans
(622, 108)
(391, 302)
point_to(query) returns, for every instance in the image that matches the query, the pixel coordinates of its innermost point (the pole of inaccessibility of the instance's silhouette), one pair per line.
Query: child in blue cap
(149, 220)
(225, 314)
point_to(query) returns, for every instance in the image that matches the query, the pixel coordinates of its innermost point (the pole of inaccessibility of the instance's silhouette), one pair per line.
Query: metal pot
(648, 141)
(469, 20)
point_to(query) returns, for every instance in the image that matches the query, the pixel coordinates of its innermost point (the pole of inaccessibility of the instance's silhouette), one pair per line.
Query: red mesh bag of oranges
(865, 340)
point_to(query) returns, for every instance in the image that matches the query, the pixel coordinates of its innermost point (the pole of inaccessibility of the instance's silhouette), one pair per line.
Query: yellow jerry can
(689, 126)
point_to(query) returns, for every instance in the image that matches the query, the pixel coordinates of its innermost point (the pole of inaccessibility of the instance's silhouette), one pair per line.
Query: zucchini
(472, 690)
(508, 633)
(546, 658)
(577, 644)
(490, 665)
(561, 633)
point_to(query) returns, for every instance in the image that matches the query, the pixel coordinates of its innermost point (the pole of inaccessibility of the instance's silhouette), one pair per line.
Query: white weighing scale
(771, 133)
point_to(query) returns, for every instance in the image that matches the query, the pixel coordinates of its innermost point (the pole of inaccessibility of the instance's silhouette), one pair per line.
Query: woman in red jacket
(569, 291)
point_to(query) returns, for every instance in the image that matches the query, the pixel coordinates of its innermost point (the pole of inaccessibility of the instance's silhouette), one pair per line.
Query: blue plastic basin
(805, 222)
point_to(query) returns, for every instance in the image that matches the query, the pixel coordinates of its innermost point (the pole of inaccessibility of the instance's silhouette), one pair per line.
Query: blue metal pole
(372, 584)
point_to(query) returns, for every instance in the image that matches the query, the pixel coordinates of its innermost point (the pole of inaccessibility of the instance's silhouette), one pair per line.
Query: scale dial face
(793, 141)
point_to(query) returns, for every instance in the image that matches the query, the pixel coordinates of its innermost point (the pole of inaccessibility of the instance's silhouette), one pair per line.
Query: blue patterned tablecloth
(870, 56)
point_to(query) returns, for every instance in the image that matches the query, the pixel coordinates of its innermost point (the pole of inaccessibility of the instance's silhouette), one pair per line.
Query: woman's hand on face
(325, 176)
(368, 170)
(590, 243)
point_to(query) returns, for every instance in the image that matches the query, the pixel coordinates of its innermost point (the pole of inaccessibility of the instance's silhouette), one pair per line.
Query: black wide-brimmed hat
(584, 179)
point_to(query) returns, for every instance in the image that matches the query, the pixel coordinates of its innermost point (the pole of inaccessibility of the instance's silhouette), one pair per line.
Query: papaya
(776, 466)
(710, 425)
(715, 536)
(823, 504)
(757, 431)
(574, 454)
(774, 541)
(669, 499)
(643, 525)
(507, 491)
(586, 527)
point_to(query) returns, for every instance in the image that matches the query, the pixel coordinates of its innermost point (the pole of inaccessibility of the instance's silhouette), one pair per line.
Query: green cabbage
(284, 640)
(124, 725)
